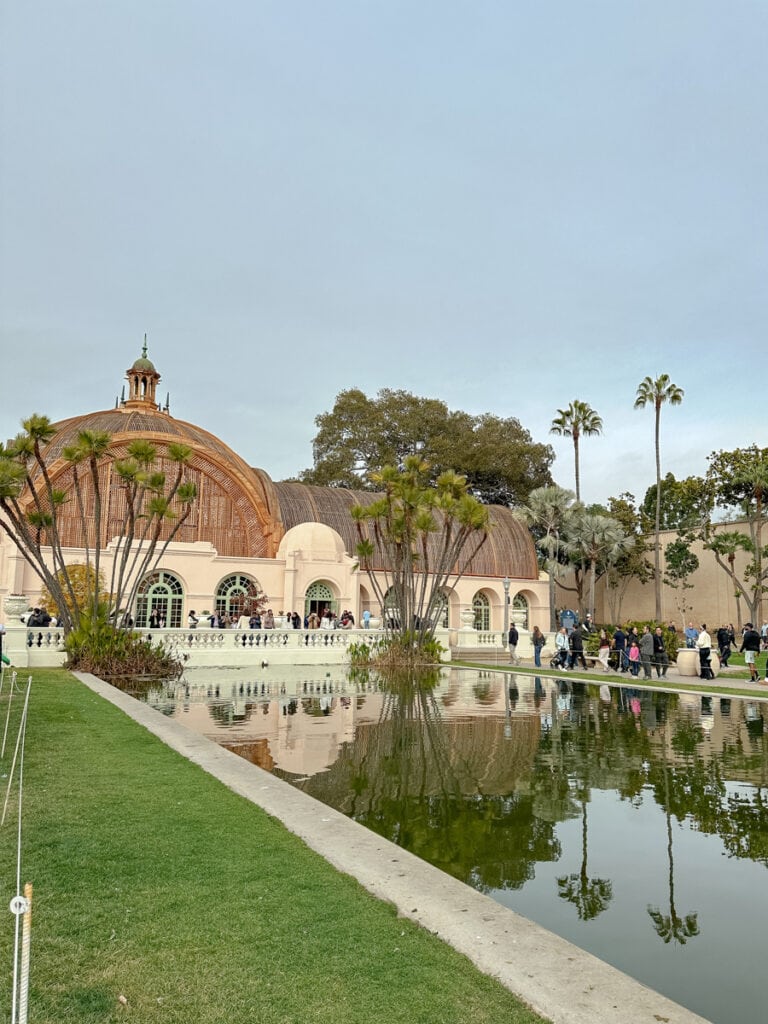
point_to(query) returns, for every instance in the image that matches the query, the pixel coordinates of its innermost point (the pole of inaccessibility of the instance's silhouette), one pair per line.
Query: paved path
(560, 981)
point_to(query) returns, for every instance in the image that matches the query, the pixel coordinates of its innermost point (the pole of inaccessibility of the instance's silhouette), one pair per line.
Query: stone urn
(689, 663)
(15, 605)
(468, 618)
(374, 622)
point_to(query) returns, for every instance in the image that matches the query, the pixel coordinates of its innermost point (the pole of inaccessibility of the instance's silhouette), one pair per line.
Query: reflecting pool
(632, 822)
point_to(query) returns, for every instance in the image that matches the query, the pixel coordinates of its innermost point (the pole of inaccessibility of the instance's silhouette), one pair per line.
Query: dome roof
(142, 364)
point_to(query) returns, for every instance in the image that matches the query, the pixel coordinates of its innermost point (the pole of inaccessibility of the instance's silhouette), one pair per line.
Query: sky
(504, 205)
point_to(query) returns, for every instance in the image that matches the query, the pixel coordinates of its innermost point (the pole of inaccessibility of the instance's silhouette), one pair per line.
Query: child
(634, 658)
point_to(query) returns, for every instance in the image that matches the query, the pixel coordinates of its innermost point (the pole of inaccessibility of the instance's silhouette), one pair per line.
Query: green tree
(577, 421)
(739, 481)
(656, 393)
(548, 512)
(361, 435)
(594, 541)
(630, 564)
(415, 541)
(685, 504)
(681, 563)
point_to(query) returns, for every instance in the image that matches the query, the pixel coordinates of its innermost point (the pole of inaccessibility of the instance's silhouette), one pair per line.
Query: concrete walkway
(560, 981)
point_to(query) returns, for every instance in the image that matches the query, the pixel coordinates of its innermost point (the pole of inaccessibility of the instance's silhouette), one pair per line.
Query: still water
(631, 822)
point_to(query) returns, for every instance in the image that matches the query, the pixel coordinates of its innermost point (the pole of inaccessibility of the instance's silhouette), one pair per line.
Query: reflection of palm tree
(590, 896)
(671, 927)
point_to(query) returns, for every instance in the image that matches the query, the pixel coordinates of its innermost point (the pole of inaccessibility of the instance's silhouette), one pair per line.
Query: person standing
(538, 640)
(691, 635)
(660, 656)
(561, 645)
(634, 656)
(704, 646)
(366, 619)
(620, 646)
(576, 643)
(646, 651)
(513, 639)
(750, 645)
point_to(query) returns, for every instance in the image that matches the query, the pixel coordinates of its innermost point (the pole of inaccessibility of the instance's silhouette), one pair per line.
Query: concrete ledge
(557, 979)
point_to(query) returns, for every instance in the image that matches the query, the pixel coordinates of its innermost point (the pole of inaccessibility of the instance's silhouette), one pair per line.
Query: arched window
(162, 591)
(318, 597)
(238, 595)
(520, 605)
(482, 609)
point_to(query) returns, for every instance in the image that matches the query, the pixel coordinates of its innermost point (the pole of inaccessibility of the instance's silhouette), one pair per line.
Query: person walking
(513, 639)
(538, 640)
(646, 651)
(724, 644)
(750, 645)
(604, 650)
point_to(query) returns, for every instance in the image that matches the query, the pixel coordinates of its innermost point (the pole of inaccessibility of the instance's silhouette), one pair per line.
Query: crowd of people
(631, 650)
(323, 619)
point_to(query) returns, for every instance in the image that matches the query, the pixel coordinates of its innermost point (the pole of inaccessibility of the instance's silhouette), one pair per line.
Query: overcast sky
(506, 206)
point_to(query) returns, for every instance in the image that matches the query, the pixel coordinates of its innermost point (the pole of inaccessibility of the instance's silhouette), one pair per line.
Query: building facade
(247, 535)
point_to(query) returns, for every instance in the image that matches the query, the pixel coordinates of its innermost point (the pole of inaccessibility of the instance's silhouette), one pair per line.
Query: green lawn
(154, 882)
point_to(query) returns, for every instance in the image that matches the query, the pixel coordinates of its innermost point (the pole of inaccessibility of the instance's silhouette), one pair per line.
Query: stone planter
(374, 622)
(689, 664)
(467, 618)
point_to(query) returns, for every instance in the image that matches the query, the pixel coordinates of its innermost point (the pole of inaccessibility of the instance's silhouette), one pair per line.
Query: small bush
(96, 646)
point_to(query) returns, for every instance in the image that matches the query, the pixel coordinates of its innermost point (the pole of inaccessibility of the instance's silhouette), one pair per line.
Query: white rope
(19, 905)
(8, 713)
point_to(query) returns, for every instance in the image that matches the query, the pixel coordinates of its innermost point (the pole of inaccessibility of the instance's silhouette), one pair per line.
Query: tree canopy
(684, 506)
(360, 435)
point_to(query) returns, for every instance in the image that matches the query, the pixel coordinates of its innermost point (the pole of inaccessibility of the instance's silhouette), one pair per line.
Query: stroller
(559, 659)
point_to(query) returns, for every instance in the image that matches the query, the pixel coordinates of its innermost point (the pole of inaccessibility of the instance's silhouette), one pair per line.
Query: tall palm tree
(656, 393)
(578, 420)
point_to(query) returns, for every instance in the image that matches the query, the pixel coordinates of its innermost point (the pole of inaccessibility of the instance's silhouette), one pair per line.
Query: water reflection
(629, 821)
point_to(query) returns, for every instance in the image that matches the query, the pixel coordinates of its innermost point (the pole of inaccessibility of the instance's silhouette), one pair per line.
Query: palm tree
(656, 392)
(596, 540)
(549, 509)
(578, 420)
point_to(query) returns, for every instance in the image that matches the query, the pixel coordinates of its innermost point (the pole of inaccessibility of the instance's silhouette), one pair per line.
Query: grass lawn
(154, 882)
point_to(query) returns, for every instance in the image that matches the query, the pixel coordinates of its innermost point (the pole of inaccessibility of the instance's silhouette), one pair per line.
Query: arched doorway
(318, 597)
(238, 595)
(163, 592)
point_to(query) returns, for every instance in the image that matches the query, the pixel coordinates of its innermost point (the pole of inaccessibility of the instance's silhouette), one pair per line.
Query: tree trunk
(656, 552)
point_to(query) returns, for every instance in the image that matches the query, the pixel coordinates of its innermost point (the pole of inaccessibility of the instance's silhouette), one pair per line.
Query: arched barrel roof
(508, 551)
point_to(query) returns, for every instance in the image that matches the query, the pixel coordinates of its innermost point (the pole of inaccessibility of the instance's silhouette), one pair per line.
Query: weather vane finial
(144, 350)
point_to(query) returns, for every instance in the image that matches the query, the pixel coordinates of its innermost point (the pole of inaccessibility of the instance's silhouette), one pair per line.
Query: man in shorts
(750, 645)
